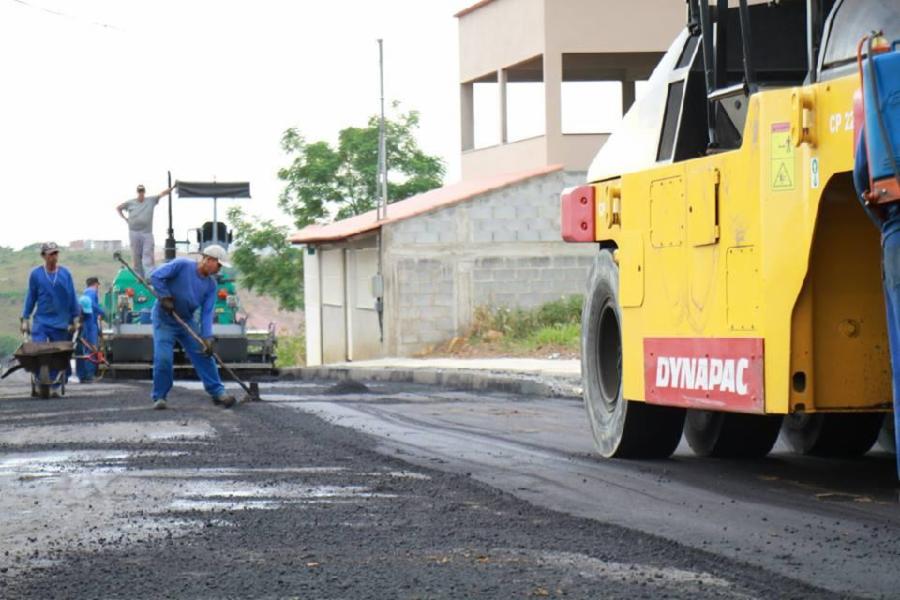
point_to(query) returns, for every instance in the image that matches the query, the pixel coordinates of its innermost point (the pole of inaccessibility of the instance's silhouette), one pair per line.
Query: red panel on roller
(710, 373)
(577, 218)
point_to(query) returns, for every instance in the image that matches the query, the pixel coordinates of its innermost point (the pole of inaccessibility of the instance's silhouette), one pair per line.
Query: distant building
(493, 238)
(105, 245)
(567, 51)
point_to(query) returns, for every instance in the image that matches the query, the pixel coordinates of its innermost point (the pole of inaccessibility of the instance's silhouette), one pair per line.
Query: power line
(65, 15)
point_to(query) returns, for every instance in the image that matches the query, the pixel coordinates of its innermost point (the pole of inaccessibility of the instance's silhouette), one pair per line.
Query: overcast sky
(100, 95)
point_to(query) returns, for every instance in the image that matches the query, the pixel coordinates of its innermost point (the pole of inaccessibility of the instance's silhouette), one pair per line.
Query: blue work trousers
(43, 333)
(164, 337)
(891, 261)
(84, 368)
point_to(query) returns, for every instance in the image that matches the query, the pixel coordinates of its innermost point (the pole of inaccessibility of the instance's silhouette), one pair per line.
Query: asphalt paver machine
(128, 339)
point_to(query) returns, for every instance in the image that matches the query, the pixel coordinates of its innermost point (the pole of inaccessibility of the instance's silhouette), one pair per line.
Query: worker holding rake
(184, 286)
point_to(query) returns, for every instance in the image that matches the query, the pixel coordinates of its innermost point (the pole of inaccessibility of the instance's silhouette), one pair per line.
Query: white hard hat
(217, 252)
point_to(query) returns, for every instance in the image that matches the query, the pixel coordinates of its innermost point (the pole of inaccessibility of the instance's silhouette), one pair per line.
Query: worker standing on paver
(91, 315)
(184, 285)
(51, 298)
(138, 213)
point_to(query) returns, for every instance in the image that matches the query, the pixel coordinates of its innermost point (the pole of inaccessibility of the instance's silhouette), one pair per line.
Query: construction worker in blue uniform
(887, 219)
(876, 177)
(91, 314)
(184, 286)
(51, 299)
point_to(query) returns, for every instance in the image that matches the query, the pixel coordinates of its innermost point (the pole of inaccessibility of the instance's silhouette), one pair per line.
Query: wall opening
(486, 111)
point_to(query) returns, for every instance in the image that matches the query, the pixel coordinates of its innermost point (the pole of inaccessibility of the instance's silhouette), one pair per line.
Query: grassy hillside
(14, 269)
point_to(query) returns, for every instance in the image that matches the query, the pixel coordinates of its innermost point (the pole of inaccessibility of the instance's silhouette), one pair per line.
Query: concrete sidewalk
(527, 376)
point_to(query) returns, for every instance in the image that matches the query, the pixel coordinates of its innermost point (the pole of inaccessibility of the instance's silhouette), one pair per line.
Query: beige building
(558, 44)
(493, 238)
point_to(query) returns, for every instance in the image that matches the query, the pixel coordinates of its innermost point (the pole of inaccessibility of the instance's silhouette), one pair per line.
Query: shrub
(8, 345)
(568, 334)
(556, 319)
(291, 351)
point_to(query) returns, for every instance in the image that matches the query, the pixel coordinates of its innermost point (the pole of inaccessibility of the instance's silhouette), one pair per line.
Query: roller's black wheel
(621, 428)
(834, 434)
(730, 435)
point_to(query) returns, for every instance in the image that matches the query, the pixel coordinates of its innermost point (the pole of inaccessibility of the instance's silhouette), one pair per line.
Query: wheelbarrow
(39, 358)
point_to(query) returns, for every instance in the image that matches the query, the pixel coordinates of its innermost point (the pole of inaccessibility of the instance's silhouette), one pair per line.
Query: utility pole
(382, 144)
(381, 204)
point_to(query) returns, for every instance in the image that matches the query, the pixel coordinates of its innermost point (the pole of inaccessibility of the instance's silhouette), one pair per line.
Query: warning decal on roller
(783, 176)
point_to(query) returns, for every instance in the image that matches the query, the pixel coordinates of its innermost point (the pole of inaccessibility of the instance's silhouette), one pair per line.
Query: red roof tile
(472, 8)
(414, 205)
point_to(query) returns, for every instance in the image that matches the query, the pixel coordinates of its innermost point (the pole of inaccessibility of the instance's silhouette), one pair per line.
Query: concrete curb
(462, 379)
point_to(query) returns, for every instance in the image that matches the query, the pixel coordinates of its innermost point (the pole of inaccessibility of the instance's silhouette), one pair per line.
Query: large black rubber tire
(730, 435)
(621, 428)
(836, 434)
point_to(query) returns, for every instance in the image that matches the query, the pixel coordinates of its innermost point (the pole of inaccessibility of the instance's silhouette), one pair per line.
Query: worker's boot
(225, 401)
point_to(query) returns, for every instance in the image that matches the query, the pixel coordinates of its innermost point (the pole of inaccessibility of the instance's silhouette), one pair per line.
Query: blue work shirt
(96, 311)
(53, 294)
(889, 220)
(180, 280)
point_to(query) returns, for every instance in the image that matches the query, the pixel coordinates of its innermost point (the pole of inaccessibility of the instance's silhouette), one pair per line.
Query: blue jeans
(890, 248)
(164, 338)
(84, 368)
(42, 333)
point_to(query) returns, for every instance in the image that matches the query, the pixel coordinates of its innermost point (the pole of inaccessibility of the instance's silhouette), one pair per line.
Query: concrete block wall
(425, 311)
(502, 248)
(527, 282)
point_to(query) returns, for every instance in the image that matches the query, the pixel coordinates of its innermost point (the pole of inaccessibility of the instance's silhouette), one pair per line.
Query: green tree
(266, 260)
(324, 182)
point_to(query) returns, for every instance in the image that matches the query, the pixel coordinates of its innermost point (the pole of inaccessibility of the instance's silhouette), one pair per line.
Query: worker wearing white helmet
(184, 285)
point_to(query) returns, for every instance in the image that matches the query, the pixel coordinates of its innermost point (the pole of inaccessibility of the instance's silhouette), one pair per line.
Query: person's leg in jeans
(163, 366)
(204, 365)
(81, 363)
(891, 262)
(148, 258)
(136, 240)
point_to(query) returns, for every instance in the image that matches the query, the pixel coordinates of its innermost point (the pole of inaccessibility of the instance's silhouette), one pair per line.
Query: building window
(486, 112)
(591, 106)
(525, 116)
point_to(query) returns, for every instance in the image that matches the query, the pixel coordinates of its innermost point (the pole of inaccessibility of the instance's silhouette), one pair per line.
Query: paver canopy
(201, 189)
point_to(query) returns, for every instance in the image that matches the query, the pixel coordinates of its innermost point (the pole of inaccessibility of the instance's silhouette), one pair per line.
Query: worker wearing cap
(138, 213)
(51, 299)
(184, 285)
(91, 314)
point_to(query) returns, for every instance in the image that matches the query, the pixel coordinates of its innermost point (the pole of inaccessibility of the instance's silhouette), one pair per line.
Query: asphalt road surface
(411, 492)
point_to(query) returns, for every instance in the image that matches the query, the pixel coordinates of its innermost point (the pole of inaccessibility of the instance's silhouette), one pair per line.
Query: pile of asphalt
(409, 533)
